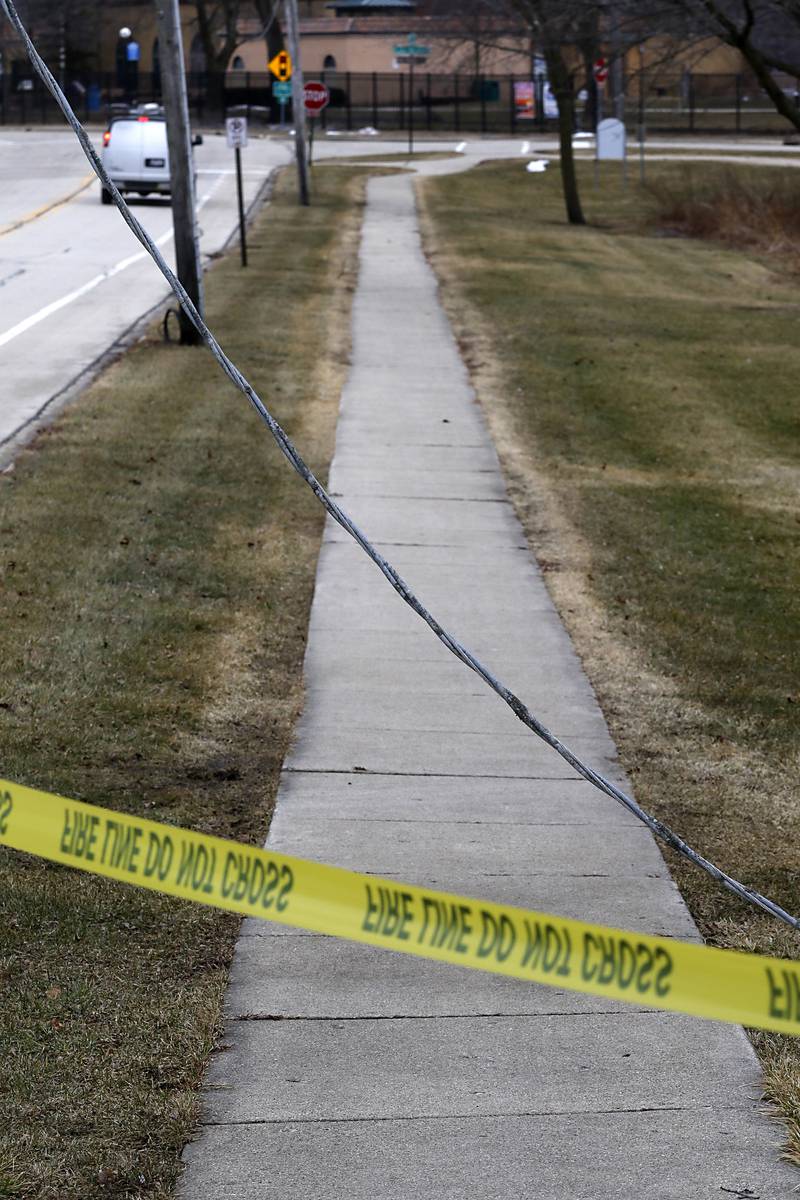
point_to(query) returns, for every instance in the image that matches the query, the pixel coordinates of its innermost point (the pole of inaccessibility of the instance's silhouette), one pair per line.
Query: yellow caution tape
(658, 972)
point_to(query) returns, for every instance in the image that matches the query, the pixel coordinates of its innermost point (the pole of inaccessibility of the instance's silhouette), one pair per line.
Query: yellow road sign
(281, 65)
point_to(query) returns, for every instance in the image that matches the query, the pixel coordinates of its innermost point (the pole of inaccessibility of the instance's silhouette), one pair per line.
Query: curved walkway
(350, 1073)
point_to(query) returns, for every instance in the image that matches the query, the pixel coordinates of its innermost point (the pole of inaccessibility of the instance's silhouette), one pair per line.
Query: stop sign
(315, 97)
(600, 70)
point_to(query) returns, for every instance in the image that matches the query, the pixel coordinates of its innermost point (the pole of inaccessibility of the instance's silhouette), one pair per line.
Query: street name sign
(411, 49)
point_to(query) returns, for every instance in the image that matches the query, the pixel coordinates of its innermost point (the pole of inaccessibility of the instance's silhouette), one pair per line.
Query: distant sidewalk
(351, 1073)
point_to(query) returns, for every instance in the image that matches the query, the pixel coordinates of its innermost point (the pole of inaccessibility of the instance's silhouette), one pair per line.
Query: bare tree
(765, 32)
(221, 25)
(571, 35)
(67, 32)
(473, 27)
(567, 35)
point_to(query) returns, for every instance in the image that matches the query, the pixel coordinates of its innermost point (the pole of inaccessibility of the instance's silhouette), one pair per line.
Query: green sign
(411, 49)
(282, 90)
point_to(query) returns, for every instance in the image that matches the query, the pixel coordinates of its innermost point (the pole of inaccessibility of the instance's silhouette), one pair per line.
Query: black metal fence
(684, 103)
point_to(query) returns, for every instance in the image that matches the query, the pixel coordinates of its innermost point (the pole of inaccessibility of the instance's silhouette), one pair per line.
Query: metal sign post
(282, 91)
(236, 133)
(412, 52)
(600, 72)
(315, 97)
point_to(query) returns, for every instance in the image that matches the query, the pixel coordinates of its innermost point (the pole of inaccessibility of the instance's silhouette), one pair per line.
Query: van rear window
(125, 131)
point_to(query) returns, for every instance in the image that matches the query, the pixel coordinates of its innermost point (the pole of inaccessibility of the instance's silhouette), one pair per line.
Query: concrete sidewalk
(349, 1072)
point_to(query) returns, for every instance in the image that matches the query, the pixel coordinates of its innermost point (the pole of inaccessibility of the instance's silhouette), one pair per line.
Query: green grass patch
(642, 391)
(157, 557)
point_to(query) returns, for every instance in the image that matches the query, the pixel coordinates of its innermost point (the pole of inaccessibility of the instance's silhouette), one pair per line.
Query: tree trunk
(275, 42)
(561, 83)
(569, 181)
(215, 90)
(269, 16)
(589, 46)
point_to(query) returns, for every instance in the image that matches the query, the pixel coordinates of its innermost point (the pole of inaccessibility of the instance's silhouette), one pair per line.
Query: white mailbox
(611, 139)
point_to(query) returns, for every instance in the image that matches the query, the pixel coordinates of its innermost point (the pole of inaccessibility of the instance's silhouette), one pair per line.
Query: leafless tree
(66, 31)
(571, 35)
(221, 25)
(473, 27)
(567, 34)
(765, 32)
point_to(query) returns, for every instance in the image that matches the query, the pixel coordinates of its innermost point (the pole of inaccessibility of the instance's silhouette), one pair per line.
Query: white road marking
(122, 265)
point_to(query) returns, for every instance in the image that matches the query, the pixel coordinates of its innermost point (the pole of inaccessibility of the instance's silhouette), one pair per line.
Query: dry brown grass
(641, 394)
(754, 209)
(157, 559)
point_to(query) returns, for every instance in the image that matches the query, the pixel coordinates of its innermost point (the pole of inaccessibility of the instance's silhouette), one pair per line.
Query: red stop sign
(600, 70)
(315, 97)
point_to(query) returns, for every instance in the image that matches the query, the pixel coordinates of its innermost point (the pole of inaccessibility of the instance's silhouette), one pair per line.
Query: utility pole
(298, 104)
(176, 105)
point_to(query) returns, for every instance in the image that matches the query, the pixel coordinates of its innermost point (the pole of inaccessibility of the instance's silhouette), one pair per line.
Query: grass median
(642, 393)
(157, 558)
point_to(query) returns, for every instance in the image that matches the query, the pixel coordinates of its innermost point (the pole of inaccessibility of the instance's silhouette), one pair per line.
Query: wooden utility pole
(179, 141)
(298, 105)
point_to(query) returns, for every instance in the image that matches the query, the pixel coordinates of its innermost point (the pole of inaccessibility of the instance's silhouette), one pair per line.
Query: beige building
(360, 36)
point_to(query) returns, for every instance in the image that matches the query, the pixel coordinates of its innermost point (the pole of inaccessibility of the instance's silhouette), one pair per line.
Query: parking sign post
(236, 133)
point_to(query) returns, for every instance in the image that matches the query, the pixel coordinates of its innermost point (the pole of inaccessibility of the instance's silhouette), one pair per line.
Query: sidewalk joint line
(494, 824)
(478, 1116)
(574, 780)
(276, 1018)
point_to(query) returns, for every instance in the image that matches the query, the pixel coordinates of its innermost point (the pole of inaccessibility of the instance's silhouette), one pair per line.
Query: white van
(135, 153)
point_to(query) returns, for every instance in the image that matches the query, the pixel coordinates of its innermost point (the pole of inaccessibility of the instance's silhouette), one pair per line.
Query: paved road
(73, 278)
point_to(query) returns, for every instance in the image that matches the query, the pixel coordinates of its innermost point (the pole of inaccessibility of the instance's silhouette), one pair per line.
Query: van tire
(105, 196)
